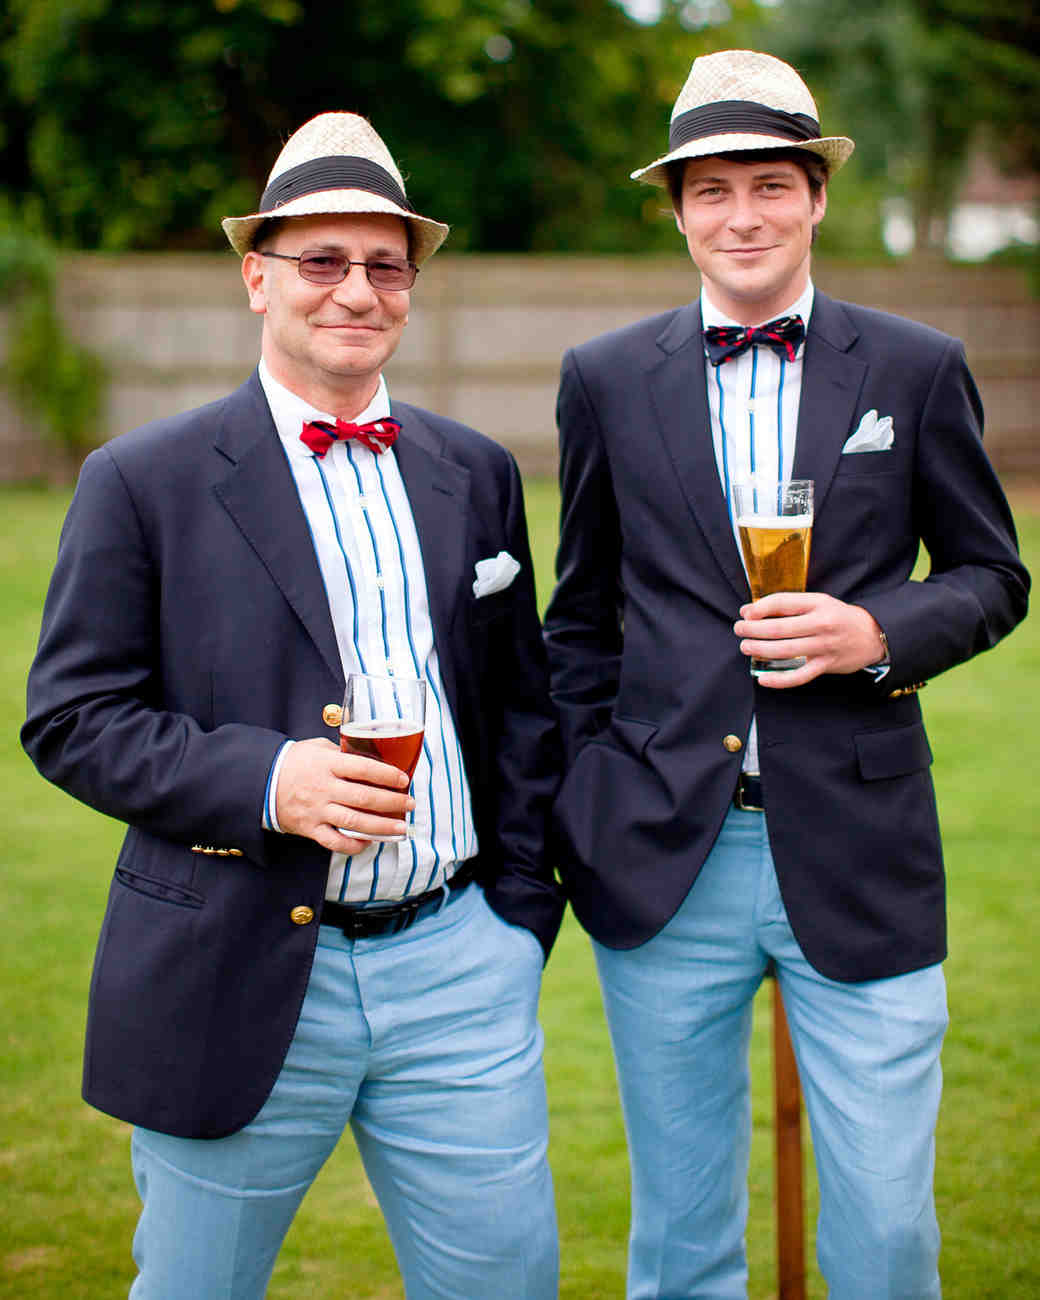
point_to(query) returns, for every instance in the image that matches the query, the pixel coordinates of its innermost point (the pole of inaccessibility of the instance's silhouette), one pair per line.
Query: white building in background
(991, 212)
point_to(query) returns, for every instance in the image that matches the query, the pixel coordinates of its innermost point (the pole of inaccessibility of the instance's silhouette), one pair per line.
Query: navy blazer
(647, 675)
(185, 636)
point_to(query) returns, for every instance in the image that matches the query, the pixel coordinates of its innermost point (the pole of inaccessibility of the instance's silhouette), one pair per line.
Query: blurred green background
(137, 124)
(69, 1206)
(133, 126)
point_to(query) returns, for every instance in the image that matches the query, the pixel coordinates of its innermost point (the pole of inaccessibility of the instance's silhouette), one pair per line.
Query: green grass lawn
(69, 1204)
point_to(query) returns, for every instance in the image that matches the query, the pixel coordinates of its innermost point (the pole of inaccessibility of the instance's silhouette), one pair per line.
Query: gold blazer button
(332, 715)
(732, 744)
(301, 915)
(912, 689)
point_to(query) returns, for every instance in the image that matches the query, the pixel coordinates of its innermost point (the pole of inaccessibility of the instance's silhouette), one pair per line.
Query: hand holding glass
(383, 718)
(774, 520)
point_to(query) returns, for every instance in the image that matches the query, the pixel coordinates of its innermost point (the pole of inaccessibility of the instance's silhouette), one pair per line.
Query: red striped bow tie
(723, 342)
(376, 435)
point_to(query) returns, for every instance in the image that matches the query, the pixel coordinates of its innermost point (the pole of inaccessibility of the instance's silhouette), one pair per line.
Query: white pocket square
(495, 574)
(872, 435)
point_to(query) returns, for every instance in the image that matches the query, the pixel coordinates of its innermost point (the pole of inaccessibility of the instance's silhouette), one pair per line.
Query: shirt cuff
(269, 821)
(880, 670)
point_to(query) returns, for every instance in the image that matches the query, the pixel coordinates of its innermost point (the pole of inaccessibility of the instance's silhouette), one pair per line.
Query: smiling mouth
(350, 327)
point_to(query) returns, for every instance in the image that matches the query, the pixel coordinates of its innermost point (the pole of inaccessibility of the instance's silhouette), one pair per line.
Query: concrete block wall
(486, 335)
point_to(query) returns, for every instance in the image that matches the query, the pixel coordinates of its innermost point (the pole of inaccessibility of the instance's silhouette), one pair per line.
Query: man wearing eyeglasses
(269, 972)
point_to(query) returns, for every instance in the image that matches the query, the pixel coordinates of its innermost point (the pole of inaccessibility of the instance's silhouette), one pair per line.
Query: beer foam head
(779, 522)
(382, 727)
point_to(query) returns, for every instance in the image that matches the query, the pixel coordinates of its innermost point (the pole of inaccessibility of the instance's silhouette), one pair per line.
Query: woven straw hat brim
(835, 149)
(739, 100)
(427, 234)
(336, 163)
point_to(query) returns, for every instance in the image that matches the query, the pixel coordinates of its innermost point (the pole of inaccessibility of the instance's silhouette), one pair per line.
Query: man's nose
(744, 214)
(354, 290)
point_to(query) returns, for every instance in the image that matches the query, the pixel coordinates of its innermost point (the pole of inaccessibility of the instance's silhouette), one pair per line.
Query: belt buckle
(405, 914)
(391, 918)
(352, 925)
(370, 922)
(738, 799)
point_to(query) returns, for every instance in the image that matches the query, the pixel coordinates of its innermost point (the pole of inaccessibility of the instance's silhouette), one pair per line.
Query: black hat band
(332, 173)
(740, 117)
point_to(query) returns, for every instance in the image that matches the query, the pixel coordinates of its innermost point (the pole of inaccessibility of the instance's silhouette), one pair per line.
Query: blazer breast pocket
(486, 609)
(853, 464)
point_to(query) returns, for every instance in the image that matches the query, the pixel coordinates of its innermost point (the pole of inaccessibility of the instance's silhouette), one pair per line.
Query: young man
(712, 824)
(266, 972)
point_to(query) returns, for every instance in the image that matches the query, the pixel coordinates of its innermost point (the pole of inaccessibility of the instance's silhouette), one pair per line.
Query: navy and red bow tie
(377, 435)
(783, 335)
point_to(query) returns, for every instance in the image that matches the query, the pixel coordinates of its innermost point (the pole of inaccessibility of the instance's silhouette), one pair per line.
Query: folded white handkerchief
(495, 574)
(872, 435)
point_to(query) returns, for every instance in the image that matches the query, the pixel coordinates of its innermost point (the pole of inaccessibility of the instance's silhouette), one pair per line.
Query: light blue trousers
(427, 1044)
(679, 1012)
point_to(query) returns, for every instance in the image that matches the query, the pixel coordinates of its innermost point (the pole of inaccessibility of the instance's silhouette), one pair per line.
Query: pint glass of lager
(774, 521)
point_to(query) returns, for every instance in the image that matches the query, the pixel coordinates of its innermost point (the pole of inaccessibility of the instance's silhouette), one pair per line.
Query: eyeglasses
(331, 268)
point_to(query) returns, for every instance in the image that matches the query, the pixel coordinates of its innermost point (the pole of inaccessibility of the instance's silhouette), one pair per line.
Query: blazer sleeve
(526, 750)
(583, 624)
(977, 588)
(98, 721)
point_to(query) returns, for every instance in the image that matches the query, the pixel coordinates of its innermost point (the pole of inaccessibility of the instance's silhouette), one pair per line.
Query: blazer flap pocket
(164, 891)
(897, 751)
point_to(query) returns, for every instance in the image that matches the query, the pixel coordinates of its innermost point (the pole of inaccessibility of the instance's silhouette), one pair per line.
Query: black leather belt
(392, 918)
(748, 794)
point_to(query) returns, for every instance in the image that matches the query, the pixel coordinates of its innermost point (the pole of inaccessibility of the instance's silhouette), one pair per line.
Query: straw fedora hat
(336, 162)
(739, 99)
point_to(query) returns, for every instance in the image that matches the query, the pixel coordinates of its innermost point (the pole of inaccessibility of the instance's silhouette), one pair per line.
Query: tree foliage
(54, 379)
(919, 83)
(517, 121)
(139, 123)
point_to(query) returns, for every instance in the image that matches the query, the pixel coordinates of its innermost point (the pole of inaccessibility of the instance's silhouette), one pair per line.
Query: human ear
(253, 269)
(819, 205)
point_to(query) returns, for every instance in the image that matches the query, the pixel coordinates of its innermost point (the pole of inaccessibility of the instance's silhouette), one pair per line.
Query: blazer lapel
(438, 492)
(260, 495)
(831, 385)
(679, 397)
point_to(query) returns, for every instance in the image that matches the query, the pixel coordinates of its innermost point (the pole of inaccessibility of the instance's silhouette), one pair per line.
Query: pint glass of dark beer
(384, 718)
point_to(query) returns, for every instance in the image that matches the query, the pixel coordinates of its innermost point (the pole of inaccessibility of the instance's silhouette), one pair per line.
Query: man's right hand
(323, 793)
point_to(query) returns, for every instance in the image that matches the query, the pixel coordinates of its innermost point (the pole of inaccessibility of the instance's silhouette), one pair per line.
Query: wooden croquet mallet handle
(790, 1203)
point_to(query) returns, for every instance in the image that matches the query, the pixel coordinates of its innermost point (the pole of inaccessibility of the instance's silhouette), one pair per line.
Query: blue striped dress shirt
(753, 400)
(370, 559)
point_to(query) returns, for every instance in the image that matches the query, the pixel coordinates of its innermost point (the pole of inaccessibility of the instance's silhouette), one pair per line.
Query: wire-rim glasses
(320, 267)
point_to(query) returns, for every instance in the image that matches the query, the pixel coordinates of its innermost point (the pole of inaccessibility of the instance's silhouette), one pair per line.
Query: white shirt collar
(289, 410)
(802, 306)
